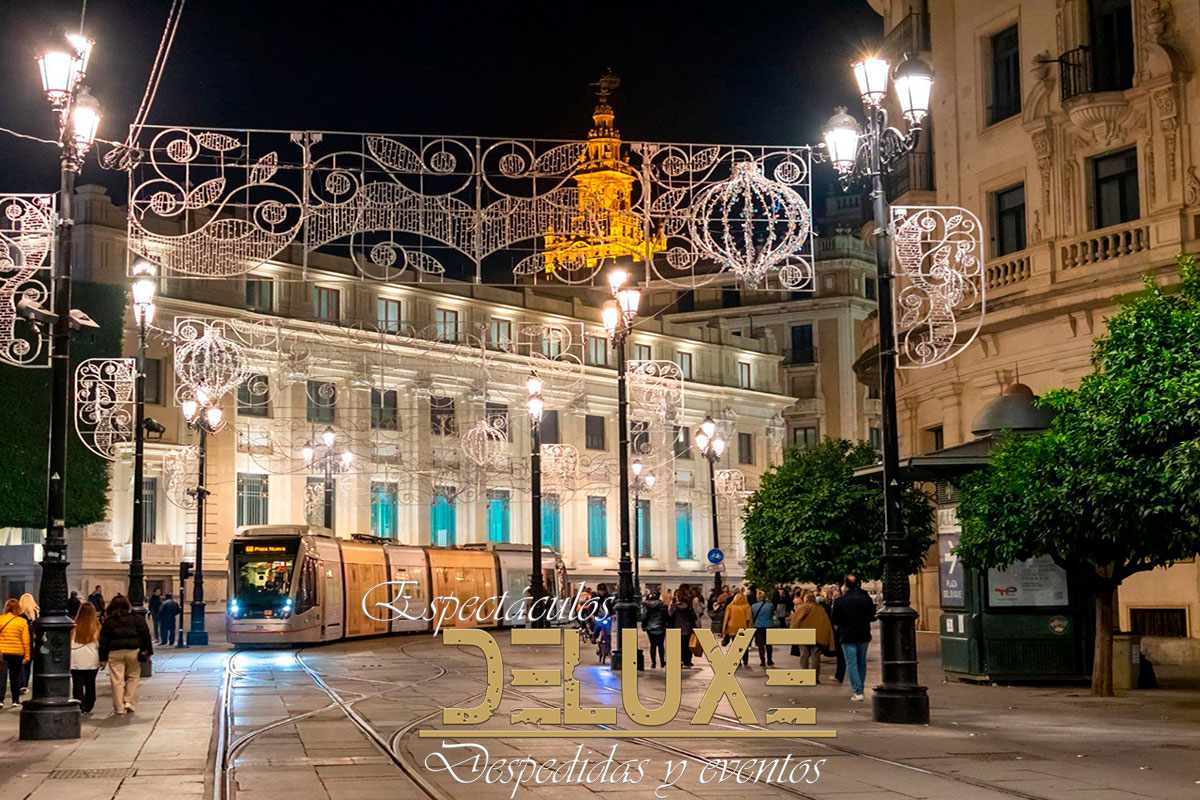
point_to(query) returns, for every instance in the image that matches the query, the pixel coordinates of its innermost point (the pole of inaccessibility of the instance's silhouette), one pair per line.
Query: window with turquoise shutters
(498, 515)
(643, 528)
(441, 517)
(597, 520)
(551, 521)
(683, 530)
(383, 509)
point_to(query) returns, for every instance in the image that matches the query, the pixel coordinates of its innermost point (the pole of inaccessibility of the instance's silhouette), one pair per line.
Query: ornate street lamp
(641, 483)
(329, 461)
(205, 419)
(869, 153)
(618, 315)
(711, 445)
(143, 288)
(50, 712)
(537, 583)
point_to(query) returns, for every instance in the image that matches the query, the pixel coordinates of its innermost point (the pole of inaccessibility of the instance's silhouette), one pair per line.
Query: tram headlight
(233, 608)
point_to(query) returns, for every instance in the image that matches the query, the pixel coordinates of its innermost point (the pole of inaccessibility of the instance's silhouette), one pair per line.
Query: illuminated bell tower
(605, 227)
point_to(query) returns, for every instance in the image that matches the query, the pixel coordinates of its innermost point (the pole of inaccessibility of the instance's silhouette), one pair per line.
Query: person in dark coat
(153, 605)
(853, 614)
(124, 644)
(655, 620)
(73, 604)
(683, 617)
(96, 598)
(168, 611)
(827, 597)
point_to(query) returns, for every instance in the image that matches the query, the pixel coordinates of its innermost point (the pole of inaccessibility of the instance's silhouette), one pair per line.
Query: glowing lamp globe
(914, 85)
(85, 120)
(871, 74)
(841, 140)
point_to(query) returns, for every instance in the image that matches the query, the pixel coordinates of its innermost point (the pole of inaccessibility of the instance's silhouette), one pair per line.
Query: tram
(299, 584)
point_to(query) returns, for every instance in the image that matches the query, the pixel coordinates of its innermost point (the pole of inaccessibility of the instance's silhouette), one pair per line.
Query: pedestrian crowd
(840, 617)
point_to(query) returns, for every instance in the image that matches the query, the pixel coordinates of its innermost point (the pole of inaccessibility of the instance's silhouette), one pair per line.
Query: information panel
(951, 571)
(1035, 582)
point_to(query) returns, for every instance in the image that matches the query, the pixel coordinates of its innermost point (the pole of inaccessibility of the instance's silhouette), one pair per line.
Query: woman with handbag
(124, 645)
(737, 617)
(809, 614)
(684, 618)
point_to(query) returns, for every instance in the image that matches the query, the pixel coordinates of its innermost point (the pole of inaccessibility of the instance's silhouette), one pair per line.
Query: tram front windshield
(262, 573)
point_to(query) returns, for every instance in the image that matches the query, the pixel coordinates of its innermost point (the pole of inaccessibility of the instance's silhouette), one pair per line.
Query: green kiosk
(1029, 622)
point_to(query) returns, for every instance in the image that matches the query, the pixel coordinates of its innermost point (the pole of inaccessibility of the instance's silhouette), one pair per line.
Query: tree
(1113, 487)
(810, 521)
(25, 398)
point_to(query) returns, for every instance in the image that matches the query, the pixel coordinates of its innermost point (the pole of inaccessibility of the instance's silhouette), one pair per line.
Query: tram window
(263, 573)
(306, 589)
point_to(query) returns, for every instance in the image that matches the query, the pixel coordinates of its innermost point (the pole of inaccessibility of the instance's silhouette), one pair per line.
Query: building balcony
(800, 356)
(911, 173)
(911, 35)
(1106, 244)
(1085, 71)
(1009, 270)
(806, 407)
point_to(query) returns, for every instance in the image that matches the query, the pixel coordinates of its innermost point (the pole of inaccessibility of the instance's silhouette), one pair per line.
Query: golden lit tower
(605, 228)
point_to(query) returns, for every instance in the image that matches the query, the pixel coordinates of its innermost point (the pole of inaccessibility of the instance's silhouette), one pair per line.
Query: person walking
(830, 594)
(809, 614)
(783, 607)
(762, 615)
(152, 607)
(73, 604)
(168, 611)
(96, 598)
(85, 657)
(14, 647)
(737, 618)
(716, 610)
(124, 644)
(853, 614)
(684, 619)
(30, 611)
(655, 620)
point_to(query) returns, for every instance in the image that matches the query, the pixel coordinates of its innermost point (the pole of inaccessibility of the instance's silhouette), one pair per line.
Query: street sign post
(715, 556)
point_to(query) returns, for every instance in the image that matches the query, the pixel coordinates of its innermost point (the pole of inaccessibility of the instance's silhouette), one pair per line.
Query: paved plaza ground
(342, 721)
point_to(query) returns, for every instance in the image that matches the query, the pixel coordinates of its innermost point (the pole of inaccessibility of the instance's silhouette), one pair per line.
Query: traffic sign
(714, 568)
(715, 556)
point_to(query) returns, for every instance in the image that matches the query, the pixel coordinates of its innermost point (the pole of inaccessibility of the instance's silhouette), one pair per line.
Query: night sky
(744, 72)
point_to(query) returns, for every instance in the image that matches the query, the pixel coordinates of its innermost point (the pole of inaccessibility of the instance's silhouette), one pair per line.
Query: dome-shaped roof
(1013, 410)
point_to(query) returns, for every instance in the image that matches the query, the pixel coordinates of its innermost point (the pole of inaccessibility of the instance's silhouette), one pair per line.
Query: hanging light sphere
(750, 224)
(210, 365)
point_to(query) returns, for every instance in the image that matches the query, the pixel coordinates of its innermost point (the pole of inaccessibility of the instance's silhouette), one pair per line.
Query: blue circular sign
(715, 556)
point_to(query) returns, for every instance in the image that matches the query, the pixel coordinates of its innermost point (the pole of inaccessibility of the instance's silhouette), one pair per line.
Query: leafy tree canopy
(810, 521)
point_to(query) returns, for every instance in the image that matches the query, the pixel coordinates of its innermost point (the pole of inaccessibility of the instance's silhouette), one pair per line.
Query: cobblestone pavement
(343, 721)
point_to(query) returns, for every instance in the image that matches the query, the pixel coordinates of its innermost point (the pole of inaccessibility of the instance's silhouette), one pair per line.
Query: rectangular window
(383, 409)
(1159, 622)
(872, 392)
(593, 438)
(643, 548)
(441, 416)
(804, 436)
(497, 416)
(869, 288)
(745, 448)
(150, 510)
(552, 344)
(875, 438)
(934, 439)
(551, 521)
(1006, 75)
(683, 441)
(260, 294)
(389, 313)
(639, 436)
(685, 301)
(597, 522)
(320, 401)
(1115, 188)
(327, 303)
(318, 499)
(684, 360)
(744, 374)
(445, 323)
(154, 391)
(597, 351)
(252, 495)
(802, 345)
(500, 334)
(549, 427)
(498, 515)
(1009, 210)
(252, 398)
(1112, 45)
(730, 298)
(442, 527)
(383, 509)
(683, 530)
(642, 352)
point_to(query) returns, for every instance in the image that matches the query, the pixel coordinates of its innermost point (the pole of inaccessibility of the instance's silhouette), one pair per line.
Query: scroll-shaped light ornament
(104, 407)
(26, 265)
(656, 389)
(208, 364)
(560, 467)
(484, 444)
(181, 473)
(940, 286)
(753, 226)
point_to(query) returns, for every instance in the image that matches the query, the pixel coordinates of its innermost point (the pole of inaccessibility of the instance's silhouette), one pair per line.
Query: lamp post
(328, 464)
(143, 289)
(870, 153)
(618, 315)
(711, 445)
(51, 713)
(205, 418)
(640, 483)
(537, 583)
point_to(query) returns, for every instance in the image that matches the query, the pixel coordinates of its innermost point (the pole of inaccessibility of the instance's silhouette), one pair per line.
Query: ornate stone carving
(1161, 57)
(1043, 146)
(1168, 123)
(1191, 191)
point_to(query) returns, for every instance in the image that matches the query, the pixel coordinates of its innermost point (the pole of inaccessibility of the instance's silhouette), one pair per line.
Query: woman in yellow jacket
(809, 614)
(737, 617)
(14, 646)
